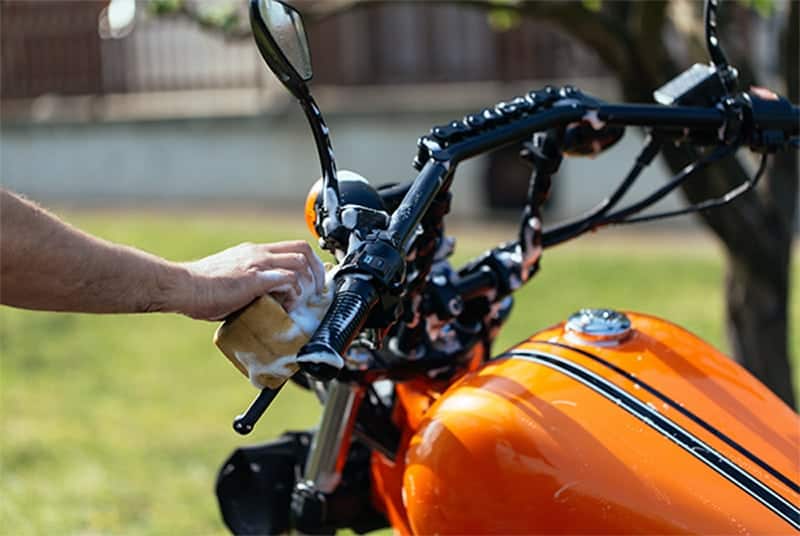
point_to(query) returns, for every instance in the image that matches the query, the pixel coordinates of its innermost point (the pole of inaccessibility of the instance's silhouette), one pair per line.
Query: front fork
(327, 455)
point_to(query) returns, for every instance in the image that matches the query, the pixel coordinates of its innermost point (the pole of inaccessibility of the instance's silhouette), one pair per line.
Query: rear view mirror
(281, 39)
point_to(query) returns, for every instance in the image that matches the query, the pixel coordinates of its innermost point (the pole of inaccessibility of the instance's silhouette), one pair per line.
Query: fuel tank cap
(598, 325)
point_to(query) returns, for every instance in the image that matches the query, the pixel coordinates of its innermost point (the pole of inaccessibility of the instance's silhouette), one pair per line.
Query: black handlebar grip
(321, 357)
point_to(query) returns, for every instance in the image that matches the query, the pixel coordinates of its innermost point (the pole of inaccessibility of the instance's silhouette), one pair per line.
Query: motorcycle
(612, 422)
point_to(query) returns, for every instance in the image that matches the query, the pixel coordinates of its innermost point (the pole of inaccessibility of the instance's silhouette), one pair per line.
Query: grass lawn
(117, 424)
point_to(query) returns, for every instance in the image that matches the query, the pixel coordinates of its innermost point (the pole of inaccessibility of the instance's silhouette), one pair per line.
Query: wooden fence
(54, 47)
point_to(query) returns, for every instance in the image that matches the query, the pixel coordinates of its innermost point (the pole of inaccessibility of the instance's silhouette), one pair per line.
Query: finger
(303, 248)
(279, 280)
(318, 270)
(293, 262)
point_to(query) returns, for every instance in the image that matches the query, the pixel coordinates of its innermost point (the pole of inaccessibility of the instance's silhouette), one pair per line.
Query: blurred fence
(53, 47)
(50, 47)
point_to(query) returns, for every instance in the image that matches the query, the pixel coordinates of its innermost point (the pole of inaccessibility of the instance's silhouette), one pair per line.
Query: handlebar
(377, 264)
(763, 123)
(374, 268)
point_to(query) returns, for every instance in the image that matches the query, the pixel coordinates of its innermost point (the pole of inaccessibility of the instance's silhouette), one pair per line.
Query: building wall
(260, 157)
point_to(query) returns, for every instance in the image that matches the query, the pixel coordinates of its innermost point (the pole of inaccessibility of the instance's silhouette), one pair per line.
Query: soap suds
(279, 368)
(324, 358)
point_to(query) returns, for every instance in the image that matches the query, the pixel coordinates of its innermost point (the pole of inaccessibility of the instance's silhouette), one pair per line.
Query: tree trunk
(757, 322)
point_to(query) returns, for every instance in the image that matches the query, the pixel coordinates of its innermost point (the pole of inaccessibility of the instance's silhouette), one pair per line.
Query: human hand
(225, 282)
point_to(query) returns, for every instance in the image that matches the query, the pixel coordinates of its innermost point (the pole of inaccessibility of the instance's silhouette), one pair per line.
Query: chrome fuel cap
(598, 325)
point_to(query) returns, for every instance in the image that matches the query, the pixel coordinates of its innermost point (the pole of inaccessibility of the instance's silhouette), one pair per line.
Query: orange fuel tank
(647, 431)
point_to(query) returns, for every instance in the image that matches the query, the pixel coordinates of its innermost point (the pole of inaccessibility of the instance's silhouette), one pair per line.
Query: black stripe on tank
(672, 431)
(686, 413)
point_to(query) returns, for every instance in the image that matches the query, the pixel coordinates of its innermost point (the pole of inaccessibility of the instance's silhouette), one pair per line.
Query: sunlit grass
(117, 424)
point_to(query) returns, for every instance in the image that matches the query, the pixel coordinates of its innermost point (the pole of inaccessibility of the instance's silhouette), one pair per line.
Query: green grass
(117, 424)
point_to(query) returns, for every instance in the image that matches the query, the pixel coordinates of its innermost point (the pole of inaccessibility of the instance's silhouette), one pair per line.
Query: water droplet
(637, 386)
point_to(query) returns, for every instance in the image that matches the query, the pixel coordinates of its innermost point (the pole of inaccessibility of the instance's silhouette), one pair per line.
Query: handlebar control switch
(377, 258)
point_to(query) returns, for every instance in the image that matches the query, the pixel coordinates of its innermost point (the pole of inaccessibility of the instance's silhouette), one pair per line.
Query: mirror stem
(330, 184)
(712, 39)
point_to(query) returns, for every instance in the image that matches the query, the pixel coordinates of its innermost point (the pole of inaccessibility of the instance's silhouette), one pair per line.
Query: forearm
(47, 264)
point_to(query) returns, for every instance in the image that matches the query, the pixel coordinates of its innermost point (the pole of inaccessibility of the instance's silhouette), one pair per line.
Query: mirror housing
(281, 40)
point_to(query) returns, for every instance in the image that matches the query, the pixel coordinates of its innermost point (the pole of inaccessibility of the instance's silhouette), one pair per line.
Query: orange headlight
(311, 203)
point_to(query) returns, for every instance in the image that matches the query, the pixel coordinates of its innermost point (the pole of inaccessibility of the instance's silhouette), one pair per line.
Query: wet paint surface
(522, 447)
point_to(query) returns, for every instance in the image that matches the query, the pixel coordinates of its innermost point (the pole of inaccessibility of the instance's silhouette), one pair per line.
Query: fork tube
(331, 442)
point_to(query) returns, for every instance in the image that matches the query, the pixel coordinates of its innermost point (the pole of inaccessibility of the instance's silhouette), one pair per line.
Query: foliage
(503, 15)
(222, 16)
(503, 19)
(765, 8)
(593, 5)
(164, 7)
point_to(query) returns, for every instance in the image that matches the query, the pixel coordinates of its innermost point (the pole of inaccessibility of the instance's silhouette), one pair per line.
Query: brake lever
(244, 423)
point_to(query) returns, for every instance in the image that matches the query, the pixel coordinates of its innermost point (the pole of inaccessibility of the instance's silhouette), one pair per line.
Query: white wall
(263, 158)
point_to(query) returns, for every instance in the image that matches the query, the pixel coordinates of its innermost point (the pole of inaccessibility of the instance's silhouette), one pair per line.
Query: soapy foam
(311, 306)
(279, 368)
(290, 334)
(324, 358)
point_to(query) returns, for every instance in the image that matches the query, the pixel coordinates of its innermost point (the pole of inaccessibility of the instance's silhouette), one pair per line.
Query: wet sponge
(262, 340)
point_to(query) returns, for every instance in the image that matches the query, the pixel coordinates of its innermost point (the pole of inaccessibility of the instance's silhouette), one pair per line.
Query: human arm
(47, 264)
